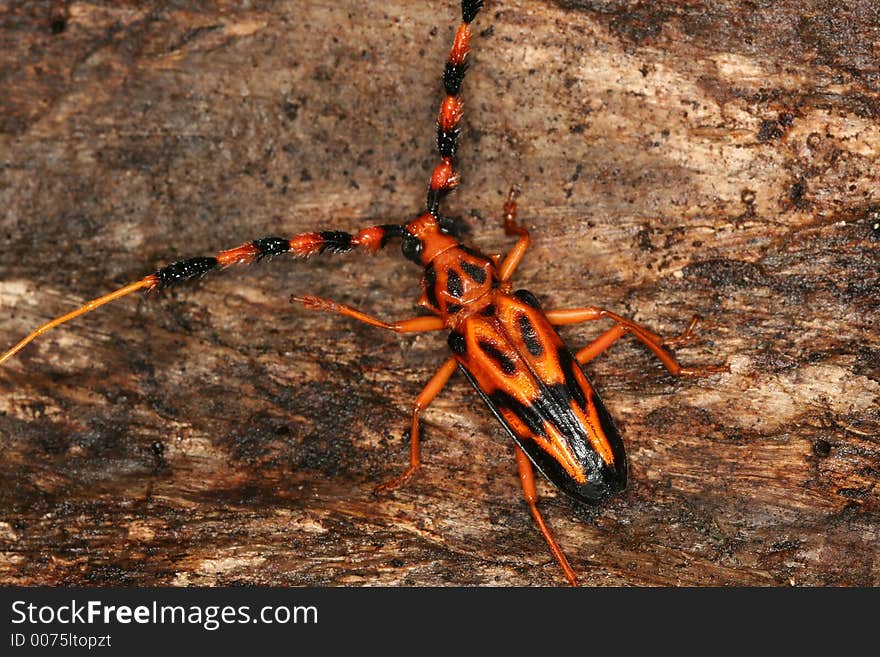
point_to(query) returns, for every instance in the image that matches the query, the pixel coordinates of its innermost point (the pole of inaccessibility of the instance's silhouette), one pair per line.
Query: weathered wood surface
(702, 157)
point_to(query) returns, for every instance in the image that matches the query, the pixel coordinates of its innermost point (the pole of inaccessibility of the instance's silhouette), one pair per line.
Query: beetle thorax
(457, 280)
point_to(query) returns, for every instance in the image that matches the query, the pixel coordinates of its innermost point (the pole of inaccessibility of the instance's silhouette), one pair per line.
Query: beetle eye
(412, 248)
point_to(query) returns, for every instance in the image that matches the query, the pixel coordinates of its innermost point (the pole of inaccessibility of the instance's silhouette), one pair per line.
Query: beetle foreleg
(527, 478)
(414, 325)
(435, 385)
(511, 227)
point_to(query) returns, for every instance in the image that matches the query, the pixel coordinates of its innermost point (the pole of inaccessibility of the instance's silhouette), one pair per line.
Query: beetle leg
(687, 336)
(623, 326)
(511, 227)
(414, 325)
(527, 478)
(435, 385)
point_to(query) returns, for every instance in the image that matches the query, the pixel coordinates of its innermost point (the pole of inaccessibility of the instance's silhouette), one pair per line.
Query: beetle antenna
(445, 178)
(303, 245)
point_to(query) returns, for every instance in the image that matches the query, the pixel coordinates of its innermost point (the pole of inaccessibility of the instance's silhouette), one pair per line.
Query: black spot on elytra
(568, 365)
(476, 273)
(454, 285)
(530, 336)
(503, 361)
(526, 413)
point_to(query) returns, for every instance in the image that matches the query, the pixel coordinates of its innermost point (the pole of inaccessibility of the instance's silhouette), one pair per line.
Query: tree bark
(675, 159)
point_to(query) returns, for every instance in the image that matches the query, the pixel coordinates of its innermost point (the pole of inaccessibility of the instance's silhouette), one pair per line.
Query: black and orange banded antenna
(303, 245)
(501, 339)
(444, 178)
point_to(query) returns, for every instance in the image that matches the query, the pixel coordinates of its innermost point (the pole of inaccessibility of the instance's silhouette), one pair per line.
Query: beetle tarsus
(389, 486)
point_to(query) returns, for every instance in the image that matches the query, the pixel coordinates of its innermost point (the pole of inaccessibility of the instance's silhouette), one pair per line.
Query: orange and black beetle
(502, 340)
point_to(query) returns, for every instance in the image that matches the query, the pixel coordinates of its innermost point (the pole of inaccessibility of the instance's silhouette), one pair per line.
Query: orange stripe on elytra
(590, 419)
(557, 446)
(554, 445)
(596, 436)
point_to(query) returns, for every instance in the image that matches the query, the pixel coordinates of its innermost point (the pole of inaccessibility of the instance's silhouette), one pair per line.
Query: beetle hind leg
(527, 478)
